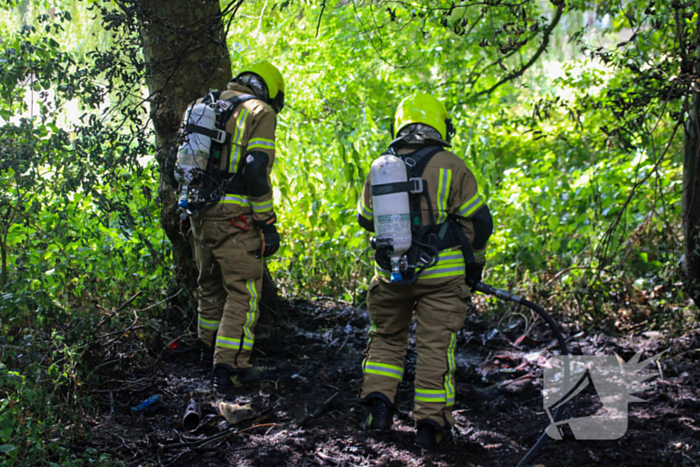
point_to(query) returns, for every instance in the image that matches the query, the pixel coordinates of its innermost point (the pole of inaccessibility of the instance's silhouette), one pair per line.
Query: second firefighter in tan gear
(439, 294)
(440, 310)
(232, 236)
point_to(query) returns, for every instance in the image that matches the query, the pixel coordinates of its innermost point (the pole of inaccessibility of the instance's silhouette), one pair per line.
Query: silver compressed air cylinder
(193, 153)
(392, 212)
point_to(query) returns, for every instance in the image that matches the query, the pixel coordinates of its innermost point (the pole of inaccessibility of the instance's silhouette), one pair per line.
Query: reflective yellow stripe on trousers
(430, 395)
(447, 395)
(449, 377)
(227, 342)
(383, 369)
(250, 316)
(208, 323)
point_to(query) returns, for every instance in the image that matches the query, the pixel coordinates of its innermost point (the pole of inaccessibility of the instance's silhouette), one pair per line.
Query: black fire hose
(503, 295)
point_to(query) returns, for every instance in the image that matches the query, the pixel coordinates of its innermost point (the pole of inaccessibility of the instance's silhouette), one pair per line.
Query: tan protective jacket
(453, 190)
(252, 126)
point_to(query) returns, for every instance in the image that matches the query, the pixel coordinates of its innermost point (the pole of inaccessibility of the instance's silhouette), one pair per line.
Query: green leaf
(7, 448)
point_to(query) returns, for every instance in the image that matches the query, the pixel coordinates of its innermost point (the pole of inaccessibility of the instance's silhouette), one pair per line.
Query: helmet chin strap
(450, 130)
(277, 103)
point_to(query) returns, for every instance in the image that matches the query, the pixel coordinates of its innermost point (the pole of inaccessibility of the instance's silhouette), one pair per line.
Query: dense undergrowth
(586, 201)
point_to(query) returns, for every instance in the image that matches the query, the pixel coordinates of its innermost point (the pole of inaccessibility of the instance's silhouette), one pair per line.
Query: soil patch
(306, 413)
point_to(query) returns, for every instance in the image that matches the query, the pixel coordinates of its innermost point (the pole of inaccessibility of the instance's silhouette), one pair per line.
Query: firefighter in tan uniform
(232, 236)
(457, 219)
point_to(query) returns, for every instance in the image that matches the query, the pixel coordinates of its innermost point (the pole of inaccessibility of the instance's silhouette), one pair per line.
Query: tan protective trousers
(230, 281)
(440, 308)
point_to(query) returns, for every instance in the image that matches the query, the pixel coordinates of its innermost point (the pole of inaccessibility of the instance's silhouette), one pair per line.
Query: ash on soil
(316, 357)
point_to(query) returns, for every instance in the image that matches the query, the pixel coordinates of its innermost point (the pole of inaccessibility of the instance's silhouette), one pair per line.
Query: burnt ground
(307, 413)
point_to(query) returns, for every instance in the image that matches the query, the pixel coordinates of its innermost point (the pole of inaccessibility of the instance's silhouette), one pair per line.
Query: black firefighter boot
(381, 415)
(429, 435)
(206, 355)
(226, 379)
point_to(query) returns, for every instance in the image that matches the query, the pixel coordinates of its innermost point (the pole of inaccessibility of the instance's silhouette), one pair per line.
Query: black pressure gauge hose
(503, 295)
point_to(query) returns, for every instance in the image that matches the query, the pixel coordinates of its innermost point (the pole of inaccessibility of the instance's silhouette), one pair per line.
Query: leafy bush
(79, 239)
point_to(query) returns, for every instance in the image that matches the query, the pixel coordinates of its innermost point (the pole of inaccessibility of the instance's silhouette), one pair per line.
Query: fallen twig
(118, 332)
(323, 406)
(160, 302)
(343, 344)
(327, 458)
(126, 303)
(201, 442)
(171, 460)
(136, 319)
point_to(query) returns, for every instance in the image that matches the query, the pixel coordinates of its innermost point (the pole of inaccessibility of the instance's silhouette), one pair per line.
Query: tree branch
(543, 46)
(607, 238)
(318, 25)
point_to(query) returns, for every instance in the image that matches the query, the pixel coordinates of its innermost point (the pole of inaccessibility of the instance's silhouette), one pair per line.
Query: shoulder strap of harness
(417, 162)
(226, 107)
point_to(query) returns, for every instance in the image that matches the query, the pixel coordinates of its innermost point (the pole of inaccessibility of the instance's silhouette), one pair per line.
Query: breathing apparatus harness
(212, 183)
(426, 240)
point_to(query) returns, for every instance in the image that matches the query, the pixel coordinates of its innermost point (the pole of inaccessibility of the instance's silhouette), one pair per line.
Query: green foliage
(79, 232)
(557, 153)
(577, 151)
(31, 420)
(71, 199)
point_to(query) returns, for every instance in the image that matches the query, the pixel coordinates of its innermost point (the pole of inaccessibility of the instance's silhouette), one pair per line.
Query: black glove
(473, 274)
(270, 240)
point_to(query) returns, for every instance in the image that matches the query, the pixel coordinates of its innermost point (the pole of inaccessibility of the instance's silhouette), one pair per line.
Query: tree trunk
(691, 190)
(186, 55)
(3, 252)
(691, 200)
